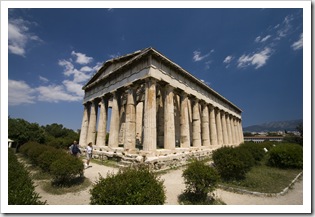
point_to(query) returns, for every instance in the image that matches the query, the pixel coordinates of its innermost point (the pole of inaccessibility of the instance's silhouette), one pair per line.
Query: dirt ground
(174, 185)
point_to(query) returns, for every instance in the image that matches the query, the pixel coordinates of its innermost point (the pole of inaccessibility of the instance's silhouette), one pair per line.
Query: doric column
(169, 123)
(84, 125)
(196, 124)
(92, 122)
(213, 127)
(232, 130)
(139, 122)
(114, 123)
(241, 132)
(224, 129)
(228, 126)
(130, 129)
(236, 131)
(205, 136)
(149, 137)
(102, 122)
(219, 127)
(184, 122)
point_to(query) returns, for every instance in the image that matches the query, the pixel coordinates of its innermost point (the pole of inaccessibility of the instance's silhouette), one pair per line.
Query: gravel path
(174, 185)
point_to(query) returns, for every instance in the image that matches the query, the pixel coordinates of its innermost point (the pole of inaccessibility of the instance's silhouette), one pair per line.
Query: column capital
(211, 106)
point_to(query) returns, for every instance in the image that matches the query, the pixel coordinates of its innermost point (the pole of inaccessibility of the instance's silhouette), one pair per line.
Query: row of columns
(206, 126)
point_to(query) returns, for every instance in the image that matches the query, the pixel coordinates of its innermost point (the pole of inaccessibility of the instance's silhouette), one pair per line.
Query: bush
(232, 163)
(35, 151)
(48, 157)
(131, 186)
(256, 150)
(65, 169)
(200, 179)
(21, 189)
(286, 155)
(24, 149)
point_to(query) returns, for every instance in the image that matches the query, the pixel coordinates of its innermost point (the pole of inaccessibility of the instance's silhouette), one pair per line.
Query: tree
(22, 131)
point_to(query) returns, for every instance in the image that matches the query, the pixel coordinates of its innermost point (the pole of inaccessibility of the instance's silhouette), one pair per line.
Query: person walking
(74, 149)
(89, 151)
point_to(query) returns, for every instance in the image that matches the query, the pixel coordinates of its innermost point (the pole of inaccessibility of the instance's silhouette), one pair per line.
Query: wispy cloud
(19, 36)
(70, 89)
(113, 56)
(43, 79)
(285, 27)
(298, 44)
(270, 41)
(258, 59)
(198, 57)
(228, 59)
(259, 39)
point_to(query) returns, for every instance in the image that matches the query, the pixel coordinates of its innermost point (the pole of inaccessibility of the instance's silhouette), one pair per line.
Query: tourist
(89, 150)
(74, 149)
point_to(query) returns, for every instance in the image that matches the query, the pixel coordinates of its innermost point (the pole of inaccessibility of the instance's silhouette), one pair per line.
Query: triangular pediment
(113, 64)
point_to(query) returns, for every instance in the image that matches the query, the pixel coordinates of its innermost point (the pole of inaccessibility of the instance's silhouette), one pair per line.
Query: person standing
(74, 149)
(89, 151)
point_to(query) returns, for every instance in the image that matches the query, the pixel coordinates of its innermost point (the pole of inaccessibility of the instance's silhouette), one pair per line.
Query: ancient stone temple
(160, 113)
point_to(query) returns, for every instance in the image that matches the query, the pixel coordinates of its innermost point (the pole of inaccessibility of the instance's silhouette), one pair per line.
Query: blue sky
(252, 57)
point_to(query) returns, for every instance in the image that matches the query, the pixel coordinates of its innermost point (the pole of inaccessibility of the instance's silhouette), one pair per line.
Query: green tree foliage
(22, 131)
(200, 180)
(130, 186)
(58, 136)
(286, 155)
(55, 135)
(21, 187)
(247, 134)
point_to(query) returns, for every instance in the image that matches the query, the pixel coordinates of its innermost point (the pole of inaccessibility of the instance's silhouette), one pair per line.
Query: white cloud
(43, 79)
(228, 59)
(81, 58)
(55, 93)
(259, 39)
(86, 69)
(298, 44)
(265, 38)
(285, 27)
(73, 87)
(258, 59)
(113, 56)
(20, 93)
(19, 36)
(198, 57)
(70, 89)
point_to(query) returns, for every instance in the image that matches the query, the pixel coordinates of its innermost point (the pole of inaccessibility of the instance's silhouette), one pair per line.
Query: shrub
(65, 169)
(24, 149)
(35, 151)
(131, 186)
(200, 179)
(286, 155)
(256, 150)
(232, 163)
(21, 189)
(48, 157)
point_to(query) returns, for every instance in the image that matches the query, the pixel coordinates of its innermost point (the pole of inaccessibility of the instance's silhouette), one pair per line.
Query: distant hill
(274, 126)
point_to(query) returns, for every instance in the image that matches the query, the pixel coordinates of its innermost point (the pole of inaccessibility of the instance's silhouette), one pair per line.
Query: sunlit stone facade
(151, 107)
